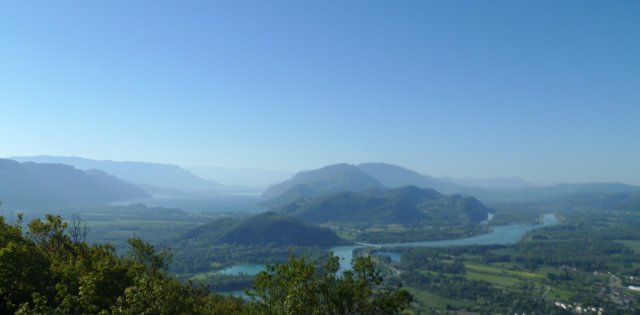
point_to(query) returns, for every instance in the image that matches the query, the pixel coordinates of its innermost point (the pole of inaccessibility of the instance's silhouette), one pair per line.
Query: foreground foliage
(298, 288)
(51, 269)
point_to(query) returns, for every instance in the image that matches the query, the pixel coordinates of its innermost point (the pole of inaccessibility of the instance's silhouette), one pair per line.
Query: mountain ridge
(304, 185)
(160, 175)
(395, 176)
(29, 185)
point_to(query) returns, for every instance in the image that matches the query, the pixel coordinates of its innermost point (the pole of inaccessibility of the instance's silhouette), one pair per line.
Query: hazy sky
(545, 90)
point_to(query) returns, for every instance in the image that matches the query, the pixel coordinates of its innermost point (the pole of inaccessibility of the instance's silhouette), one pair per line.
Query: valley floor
(591, 260)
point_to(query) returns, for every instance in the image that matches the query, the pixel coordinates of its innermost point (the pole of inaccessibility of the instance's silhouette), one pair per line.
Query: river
(499, 235)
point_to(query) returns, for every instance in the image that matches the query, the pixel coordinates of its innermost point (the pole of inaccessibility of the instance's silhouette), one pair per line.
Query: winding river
(499, 235)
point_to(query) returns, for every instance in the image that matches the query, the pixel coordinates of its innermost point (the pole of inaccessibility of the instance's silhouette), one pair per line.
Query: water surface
(499, 235)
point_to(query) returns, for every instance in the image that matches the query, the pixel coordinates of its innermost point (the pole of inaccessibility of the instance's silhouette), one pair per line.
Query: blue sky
(545, 90)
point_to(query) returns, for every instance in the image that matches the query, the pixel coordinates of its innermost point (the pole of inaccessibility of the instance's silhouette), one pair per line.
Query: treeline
(449, 286)
(586, 255)
(434, 262)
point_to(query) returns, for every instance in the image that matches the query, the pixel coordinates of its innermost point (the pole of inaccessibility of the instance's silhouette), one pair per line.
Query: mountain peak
(328, 179)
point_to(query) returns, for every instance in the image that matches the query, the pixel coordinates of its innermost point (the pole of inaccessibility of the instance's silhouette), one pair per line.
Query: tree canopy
(299, 288)
(51, 269)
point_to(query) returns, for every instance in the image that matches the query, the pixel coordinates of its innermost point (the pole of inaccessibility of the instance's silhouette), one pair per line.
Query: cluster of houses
(580, 309)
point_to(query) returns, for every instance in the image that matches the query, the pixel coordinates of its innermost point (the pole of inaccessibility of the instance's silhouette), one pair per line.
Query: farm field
(633, 244)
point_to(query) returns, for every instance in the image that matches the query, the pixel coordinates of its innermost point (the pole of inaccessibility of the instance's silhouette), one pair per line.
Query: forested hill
(263, 229)
(33, 185)
(405, 205)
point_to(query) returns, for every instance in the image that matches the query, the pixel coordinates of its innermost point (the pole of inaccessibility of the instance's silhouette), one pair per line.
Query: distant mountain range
(550, 192)
(627, 201)
(263, 229)
(351, 178)
(152, 176)
(35, 185)
(492, 183)
(358, 178)
(393, 176)
(405, 205)
(166, 179)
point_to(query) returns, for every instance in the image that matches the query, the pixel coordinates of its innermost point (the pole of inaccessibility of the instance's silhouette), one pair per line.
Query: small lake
(247, 269)
(500, 235)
